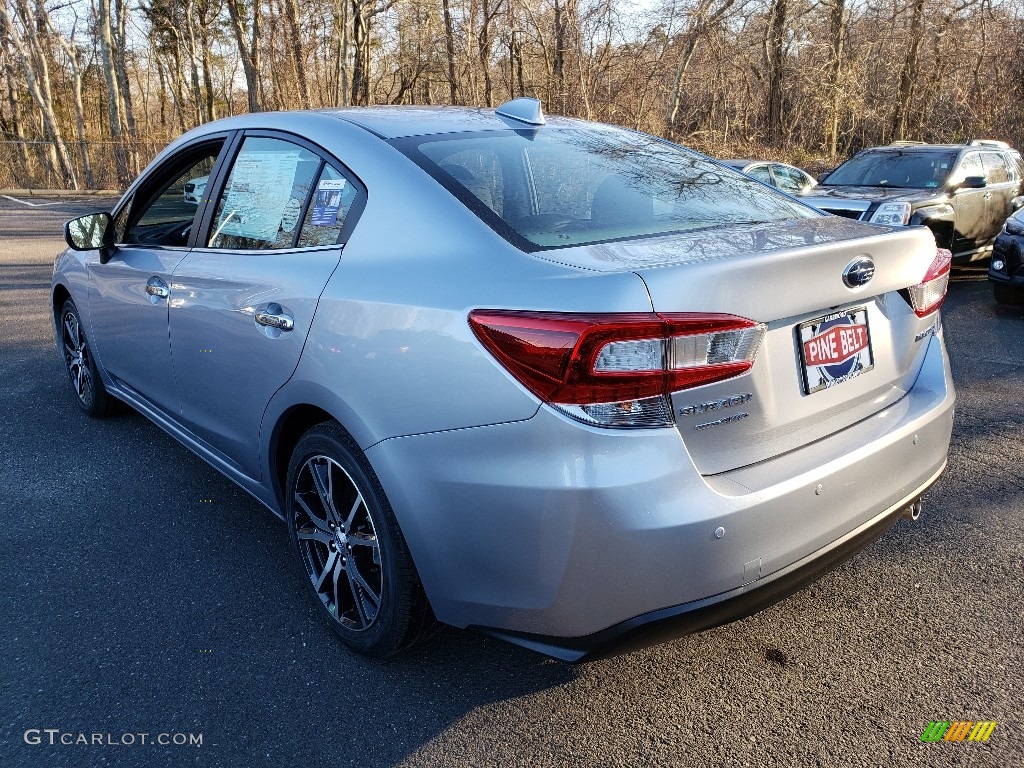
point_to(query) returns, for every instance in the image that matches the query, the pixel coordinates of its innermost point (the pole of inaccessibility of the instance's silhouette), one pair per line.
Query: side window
(789, 180)
(167, 202)
(761, 173)
(1016, 164)
(332, 201)
(995, 167)
(262, 201)
(970, 166)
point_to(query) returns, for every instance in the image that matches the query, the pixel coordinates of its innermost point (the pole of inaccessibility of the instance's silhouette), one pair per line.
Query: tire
(356, 561)
(1006, 294)
(85, 379)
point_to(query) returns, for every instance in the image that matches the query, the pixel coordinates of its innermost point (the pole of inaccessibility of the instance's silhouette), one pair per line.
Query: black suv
(963, 192)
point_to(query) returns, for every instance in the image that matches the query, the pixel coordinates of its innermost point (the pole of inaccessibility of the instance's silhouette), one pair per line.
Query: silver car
(568, 384)
(788, 178)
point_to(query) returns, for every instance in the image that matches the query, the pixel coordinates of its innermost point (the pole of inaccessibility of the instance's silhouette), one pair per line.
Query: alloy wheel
(76, 355)
(338, 543)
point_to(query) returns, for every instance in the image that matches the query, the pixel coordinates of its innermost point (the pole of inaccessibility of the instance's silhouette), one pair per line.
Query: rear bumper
(675, 622)
(559, 536)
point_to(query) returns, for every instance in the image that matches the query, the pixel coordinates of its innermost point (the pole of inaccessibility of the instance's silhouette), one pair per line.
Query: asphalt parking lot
(144, 593)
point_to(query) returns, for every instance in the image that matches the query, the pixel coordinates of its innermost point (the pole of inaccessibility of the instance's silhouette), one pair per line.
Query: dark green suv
(962, 192)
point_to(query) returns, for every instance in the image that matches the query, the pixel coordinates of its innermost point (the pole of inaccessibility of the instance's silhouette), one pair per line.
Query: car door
(128, 293)
(969, 206)
(1002, 188)
(242, 302)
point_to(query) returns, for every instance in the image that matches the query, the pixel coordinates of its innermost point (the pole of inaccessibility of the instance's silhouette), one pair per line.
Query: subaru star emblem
(859, 272)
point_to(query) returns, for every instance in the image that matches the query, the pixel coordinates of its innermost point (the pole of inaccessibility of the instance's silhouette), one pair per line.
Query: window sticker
(261, 185)
(327, 202)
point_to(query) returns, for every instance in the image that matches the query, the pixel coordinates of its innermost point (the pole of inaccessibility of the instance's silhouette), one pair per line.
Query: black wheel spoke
(326, 571)
(319, 521)
(358, 581)
(357, 599)
(321, 474)
(336, 589)
(352, 512)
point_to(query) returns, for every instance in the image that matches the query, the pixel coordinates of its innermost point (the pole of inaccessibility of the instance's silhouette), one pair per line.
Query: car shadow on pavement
(146, 592)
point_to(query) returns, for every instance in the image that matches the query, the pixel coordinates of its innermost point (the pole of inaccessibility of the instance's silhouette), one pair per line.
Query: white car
(194, 189)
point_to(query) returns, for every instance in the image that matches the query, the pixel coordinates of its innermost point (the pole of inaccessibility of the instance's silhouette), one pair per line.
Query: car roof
(931, 148)
(736, 163)
(394, 122)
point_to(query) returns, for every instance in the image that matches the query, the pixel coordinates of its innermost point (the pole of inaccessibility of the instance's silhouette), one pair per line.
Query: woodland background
(90, 90)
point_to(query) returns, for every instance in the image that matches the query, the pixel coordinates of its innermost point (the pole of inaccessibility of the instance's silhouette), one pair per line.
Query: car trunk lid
(863, 344)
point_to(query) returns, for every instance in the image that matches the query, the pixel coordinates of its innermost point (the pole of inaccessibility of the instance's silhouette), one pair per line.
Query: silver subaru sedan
(570, 385)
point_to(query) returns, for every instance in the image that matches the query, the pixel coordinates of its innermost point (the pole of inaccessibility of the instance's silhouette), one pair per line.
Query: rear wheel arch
(289, 429)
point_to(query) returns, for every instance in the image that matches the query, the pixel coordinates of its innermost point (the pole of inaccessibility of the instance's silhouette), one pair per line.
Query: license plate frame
(832, 363)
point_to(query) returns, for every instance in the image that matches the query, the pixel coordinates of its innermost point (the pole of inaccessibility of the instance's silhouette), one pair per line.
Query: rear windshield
(552, 188)
(902, 170)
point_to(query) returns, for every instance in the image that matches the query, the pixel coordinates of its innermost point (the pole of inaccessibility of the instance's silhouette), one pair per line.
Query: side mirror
(973, 182)
(823, 176)
(1017, 203)
(90, 233)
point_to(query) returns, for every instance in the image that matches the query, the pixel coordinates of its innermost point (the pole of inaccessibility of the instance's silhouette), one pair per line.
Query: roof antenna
(524, 109)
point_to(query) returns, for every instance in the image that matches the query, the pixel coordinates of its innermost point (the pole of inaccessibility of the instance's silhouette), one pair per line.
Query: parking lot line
(32, 205)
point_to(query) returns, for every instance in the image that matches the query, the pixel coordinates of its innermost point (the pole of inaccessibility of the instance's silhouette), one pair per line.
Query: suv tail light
(928, 295)
(617, 370)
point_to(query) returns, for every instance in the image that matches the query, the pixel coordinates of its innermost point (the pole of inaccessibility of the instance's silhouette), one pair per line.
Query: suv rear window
(571, 186)
(901, 169)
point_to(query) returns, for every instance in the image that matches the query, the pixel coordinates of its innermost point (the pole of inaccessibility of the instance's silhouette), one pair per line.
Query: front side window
(969, 166)
(263, 198)
(570, 186)
(163, 209)
(902, 170)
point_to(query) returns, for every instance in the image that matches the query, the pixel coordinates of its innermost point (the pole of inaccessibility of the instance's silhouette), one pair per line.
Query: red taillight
(616, 359)
(928, 295)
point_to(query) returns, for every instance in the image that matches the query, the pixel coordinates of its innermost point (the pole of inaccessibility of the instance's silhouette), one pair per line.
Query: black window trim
(130, 196)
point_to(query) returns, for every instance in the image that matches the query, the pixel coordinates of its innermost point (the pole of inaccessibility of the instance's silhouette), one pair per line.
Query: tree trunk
(484, 44)
(37, 78)
(340, 92)
(837, 41)
(908, 75)
(775, 42)
(76, 91)
(449, 47)
(295, 40)
(248, 50)
(16, 121)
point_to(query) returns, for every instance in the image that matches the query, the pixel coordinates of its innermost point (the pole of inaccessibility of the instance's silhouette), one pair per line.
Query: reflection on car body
(558, 381)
